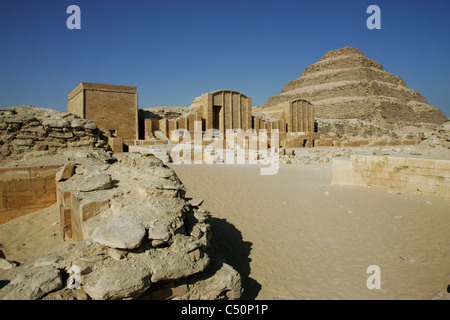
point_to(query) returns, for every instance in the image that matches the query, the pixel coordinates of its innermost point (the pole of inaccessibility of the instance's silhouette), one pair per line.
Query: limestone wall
(113, 108)
(25, 190)
(413, 175)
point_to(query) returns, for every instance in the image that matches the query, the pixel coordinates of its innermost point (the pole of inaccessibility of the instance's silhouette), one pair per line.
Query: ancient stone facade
(224, 110)
(345, 98)
(221, 110)
(113, 108)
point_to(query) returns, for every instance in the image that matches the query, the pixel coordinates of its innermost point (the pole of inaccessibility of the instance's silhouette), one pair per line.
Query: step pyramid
(346, 84)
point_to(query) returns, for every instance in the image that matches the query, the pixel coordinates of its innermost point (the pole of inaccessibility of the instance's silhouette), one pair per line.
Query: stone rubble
(27, 129)
(139, 232)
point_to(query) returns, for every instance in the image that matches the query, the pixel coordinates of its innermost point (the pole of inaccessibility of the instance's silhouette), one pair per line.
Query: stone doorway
(217, 111)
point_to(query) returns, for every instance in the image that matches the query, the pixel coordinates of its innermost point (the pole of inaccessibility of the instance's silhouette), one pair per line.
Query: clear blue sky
(174, 51)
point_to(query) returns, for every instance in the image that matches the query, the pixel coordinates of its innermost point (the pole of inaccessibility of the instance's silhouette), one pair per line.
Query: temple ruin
(114, 109)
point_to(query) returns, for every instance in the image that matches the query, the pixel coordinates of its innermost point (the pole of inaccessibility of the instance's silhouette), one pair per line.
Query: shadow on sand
(227, 242)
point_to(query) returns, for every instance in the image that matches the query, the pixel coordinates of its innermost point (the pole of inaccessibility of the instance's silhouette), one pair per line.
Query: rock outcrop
(438, 138)
(346, 84)
(24, 129)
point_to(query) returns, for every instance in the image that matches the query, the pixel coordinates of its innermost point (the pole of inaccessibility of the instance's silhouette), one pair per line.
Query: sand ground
(31, 235)
(293, 235)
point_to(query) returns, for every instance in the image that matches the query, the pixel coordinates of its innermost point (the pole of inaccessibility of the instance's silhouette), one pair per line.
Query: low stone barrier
(25, 190)
(412, 175)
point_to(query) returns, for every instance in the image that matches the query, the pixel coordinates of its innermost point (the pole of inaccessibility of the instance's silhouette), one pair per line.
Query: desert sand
(31, 235)
(293, 235)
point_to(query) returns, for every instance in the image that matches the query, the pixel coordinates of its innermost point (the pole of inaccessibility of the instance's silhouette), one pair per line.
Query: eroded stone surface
(122, 232)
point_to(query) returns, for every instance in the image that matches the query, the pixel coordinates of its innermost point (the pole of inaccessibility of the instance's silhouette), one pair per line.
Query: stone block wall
(113, 108)
(25, 190)
(413, 175)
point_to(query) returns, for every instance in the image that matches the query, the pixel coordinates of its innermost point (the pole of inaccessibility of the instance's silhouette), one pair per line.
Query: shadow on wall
(227, 242)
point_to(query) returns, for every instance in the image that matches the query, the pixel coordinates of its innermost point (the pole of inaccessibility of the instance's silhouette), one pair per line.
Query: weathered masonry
(113, 108)
(25, 190)
(232, 110)
(413, 175)
(225, 109)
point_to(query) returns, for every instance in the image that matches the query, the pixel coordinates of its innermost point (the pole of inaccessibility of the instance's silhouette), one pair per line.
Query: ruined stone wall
(423, 176)
(25, 190)
(25, 129)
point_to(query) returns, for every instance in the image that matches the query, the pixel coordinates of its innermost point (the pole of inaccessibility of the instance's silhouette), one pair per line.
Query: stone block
(116, 144)
(443, 191)
(50, 186)
(382, 175)
(2, 202)
(442, 173)
(422, 163)
(121, 232)
(417, 171)
(91, 208)
(30, 200)
(47, 173)
(65, 223)
(11, 174)
(422, 183)
(15, 188)
(66, 172)
(380, 160)
(444, 182)
(387, 183)
(344, 173)
(442, 164)
(76, 222)
(63, 196)
(396, 161)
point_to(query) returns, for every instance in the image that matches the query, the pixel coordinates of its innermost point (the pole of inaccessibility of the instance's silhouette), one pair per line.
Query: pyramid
(346, 84)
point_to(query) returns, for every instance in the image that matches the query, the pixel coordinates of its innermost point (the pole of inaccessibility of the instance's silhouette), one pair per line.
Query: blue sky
(174, 51)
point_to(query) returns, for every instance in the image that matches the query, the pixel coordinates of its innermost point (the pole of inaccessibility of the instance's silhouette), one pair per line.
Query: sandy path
(294, 236)
(32, 234)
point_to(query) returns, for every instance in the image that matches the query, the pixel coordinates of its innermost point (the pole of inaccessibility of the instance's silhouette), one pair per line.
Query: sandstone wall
(423, 176)
(25, 190)
(111, 107)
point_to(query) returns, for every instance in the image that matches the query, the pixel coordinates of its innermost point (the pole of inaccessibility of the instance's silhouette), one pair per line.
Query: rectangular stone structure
(114, 108)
